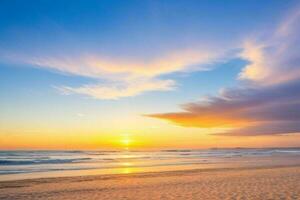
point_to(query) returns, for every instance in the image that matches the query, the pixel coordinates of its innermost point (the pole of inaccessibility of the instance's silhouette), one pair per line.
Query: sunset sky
(139, 74)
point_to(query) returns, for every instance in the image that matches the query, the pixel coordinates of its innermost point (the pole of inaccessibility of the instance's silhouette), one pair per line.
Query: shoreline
(144, 174)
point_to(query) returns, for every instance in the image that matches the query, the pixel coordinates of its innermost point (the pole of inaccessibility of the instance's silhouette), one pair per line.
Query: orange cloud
(190, 119)
(271, 109)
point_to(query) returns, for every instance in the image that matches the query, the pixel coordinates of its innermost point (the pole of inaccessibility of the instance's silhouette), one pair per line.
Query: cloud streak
(117, 78)
(119, 90)
(270, 101)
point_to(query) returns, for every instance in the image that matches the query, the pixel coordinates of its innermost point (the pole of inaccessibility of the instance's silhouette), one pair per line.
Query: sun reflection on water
(126, 171)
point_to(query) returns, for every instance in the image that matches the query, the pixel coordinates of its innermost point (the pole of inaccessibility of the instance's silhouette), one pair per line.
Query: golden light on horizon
(126, 141)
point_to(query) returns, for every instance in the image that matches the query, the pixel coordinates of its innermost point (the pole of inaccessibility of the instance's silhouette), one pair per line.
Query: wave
(37, 162)
(13, 162)
(177, 150)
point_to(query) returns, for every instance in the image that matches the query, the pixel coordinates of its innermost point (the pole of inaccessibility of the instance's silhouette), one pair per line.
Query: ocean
(16, 165)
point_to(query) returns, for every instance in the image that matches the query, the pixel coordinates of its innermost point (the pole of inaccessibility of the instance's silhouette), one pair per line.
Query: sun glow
(126, 140)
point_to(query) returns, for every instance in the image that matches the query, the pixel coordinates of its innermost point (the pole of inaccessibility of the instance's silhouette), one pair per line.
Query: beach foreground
(243, 183)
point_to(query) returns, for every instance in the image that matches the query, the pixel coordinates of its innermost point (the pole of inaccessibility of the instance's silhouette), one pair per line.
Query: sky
(144, 74)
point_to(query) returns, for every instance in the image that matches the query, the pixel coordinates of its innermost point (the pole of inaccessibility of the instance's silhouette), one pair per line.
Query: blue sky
(101, 59)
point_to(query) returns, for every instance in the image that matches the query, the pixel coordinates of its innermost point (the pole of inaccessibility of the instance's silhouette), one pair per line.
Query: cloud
(269, 102)
(271, 128)
(118, 90)
(274, 59)
(80, 115)
(116, 78)
(96, 66)
(254, 111)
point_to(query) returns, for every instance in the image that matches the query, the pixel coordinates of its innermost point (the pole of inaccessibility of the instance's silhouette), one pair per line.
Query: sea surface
(16, 165)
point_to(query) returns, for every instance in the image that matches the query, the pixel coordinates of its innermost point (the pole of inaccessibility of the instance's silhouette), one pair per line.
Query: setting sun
(126, 142)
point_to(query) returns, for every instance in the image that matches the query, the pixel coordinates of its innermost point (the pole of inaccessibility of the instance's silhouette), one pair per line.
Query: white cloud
(80, 115)
(122, 89)
(97, 66)
(121, 77)
(276, 58)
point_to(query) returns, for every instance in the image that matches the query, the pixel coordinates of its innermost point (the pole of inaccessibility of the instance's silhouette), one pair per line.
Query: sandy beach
(243, 183)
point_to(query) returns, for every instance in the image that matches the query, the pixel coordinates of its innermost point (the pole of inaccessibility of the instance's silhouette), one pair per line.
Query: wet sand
(242, 183)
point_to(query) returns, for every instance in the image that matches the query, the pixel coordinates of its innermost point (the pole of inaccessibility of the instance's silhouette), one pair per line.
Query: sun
(126, 141)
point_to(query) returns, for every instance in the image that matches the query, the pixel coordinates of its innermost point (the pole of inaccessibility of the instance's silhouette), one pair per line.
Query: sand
(250, 183)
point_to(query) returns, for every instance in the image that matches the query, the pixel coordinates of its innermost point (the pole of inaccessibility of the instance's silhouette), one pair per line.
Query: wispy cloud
(96, 66)
(80, 115)
(123, 78)
(269, 103)
(275, 58)
(121, 89)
